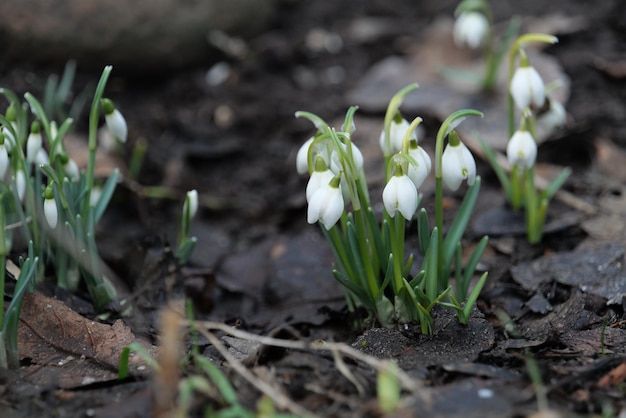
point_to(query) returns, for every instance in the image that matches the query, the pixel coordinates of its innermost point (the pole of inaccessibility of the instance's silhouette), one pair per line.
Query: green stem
(94, 116)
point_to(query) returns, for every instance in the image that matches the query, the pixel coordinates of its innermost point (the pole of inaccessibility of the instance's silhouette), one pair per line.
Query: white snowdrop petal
(521, 149)
(527, 88)
(302, 162)
(471, 28)
(418, 173)
(407, 197)
(191, 201)
(117, 125)
(50, 212)
(334, 208)
(4, 161)
(318, 179)
(389, 197)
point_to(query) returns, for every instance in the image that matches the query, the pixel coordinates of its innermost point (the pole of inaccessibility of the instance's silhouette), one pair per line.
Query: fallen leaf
(74, 349)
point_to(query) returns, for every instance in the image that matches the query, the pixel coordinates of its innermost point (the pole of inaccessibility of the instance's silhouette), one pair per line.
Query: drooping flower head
(471, 29)
(527, 87)
(115, 120)
(326, 205)
(320, 177)
(397, 130)
(4, 157)
(34, 142)
(522, 149)
(50, 210)
(418, 173)
(457, 163)
(400, 195)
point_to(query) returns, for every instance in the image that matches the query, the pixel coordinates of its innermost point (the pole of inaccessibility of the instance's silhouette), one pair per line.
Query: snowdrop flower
(397, 129)
(4, 158)
(357, 156)
(41, 157)
(302, 157)
(471, 28)
(527, 88)
(555, 117)
(190, 207)
(326, 204)
(319, 178)
(34, 142)
(522, 149)
(457, 163)
(400, 195)
(69, 167)
(50, 210)
(20, 183)
(418, 173)
(115, 121)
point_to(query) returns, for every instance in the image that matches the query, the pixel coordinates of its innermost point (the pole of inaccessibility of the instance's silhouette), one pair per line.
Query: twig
(277, 397)
(408, 383)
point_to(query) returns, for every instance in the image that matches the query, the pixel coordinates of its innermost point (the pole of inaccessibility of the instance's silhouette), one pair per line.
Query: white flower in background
(471, 29)
(555, 117)
(326, 204)
(41, 157)
(4, 160)
(50, 210)
(94, 196)
(400, 195)
(522, 149)
(191, 204)
(9, 139)
(70, 168)
(357, 156)
(527, 87)
(33, 143)
(302, 157)
(397, 129)
(319, 178)
(115, 121)
(418, 173)
(457, 164)
(20, 184)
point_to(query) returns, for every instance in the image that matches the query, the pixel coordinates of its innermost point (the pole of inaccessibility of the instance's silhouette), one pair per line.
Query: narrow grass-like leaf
(423, 230)
(218, 378)
(470, 267)
(473, 297)
(107, 192)
(122, 371)
(455, 233)
(557, 183)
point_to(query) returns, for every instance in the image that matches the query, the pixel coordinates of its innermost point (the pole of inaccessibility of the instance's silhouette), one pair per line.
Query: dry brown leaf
(74, 350)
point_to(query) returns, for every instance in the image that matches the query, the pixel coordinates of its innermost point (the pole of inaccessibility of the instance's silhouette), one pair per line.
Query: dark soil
(258, 265)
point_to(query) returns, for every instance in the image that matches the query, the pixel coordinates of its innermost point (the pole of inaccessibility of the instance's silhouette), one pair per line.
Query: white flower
(522, 149)
(457, 165)
(471, 28)
(527, 88)
(20, 184)
(555, 117)
(191, 204)
(4, 161)
(400, 195)
(326, 205)
(50, 211)
(9, 139)
(94, 196)
(396, 135)
(418, 173)
(318, 179)
(33, 146)
(357, 156)
(117, 125)
(71, 169)
(41, 157)
(302, 157)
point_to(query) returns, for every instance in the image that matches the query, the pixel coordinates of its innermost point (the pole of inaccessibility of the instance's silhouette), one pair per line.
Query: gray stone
(133, 34)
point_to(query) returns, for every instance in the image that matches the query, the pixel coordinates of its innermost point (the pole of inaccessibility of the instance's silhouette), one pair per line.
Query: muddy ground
(258, 266)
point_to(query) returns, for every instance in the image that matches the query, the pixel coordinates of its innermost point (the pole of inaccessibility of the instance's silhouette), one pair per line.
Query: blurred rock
(133, 35)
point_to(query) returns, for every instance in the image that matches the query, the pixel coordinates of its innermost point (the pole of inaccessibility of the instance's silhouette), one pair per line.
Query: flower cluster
(43, 191)
(372, 265)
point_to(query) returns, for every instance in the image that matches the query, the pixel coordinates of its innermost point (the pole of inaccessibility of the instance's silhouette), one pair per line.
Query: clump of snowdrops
(373, 266)
(529, 102)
